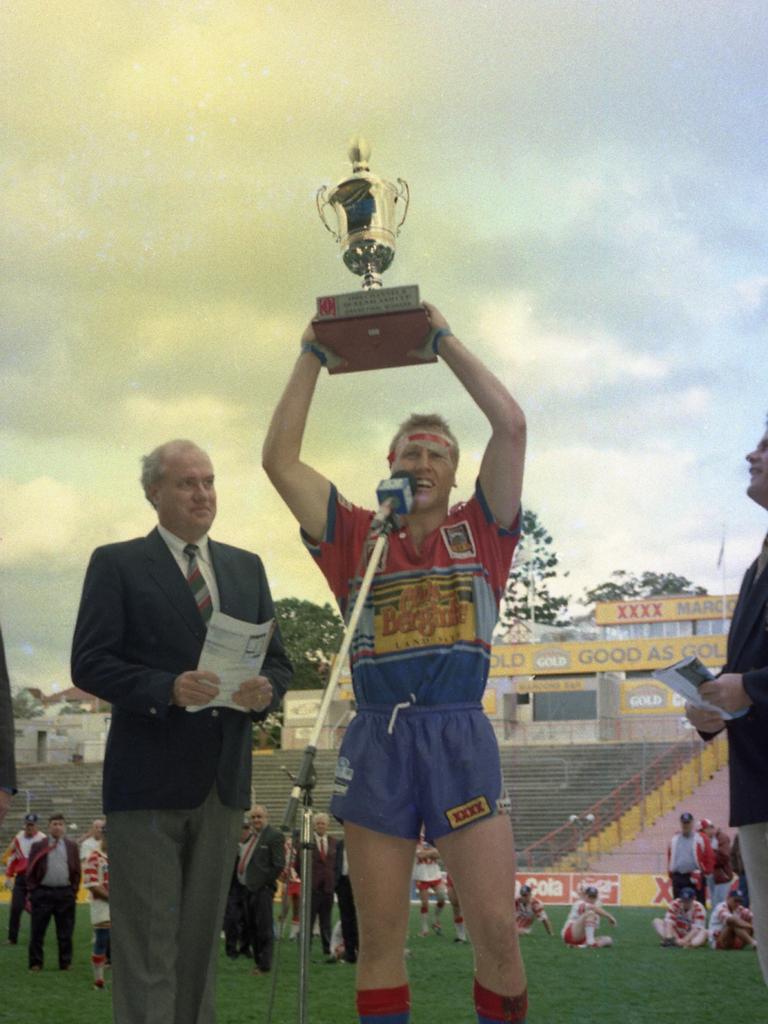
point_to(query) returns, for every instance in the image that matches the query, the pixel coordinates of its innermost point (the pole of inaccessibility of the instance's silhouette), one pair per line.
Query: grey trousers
(169, 874)
(753, 846)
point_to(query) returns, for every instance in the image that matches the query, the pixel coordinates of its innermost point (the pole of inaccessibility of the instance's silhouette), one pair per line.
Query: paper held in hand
(685, 677)
(235, 651)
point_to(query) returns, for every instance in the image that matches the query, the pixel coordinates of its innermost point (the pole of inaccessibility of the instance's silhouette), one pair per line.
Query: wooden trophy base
(375, 337)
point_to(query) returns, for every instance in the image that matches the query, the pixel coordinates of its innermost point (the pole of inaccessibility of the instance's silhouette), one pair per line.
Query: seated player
(429, 878)
(580, 930)
(730, 924)
(685, 922)
(527, 910)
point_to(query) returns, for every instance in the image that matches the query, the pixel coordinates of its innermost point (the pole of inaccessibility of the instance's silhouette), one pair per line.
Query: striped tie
(199, 587)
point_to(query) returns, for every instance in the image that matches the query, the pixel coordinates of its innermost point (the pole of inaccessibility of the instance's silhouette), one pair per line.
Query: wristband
(437, 337)
(307, 346)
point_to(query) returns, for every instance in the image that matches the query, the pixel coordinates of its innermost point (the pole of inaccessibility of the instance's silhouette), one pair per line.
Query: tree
(312, 636)
(527, 596)
(623, 586)
(26, 705)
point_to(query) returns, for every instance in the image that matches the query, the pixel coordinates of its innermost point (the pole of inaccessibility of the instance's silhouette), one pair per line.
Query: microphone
(394, 495)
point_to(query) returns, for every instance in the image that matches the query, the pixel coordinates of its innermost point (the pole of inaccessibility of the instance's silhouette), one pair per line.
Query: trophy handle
(403, 193)
(322, 201)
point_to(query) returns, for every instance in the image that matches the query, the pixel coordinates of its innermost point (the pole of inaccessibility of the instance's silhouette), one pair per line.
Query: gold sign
(649, 697)
(604, 656)
(664, 609)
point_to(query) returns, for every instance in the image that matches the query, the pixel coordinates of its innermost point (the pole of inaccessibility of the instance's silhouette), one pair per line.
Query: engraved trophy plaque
(376, 327)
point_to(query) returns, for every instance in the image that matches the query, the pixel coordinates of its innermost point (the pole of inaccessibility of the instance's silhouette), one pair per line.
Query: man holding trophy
(420, 751)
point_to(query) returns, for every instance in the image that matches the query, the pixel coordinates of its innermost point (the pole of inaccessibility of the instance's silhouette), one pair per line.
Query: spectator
(53, 878)
(235, 913)
(16, 872)
(346, 901)
(323, 880)
(261, 864)
(707, 858)
(738, 867)
(723, 874)
(685, 854)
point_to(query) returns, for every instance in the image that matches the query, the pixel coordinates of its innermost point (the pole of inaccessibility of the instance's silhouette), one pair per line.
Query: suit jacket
(38, 863)
(267, 861)
(7, 761)
(138, 628)
(748, 735)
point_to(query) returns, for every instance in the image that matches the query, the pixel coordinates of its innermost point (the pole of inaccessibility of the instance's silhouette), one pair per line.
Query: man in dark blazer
(346, 900)
(53, 878)
(7, 762)
(175, 782)
(261, 864)
(743, 687)
(323, 880)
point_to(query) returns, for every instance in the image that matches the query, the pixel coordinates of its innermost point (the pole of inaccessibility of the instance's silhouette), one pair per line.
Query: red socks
(493, 1008)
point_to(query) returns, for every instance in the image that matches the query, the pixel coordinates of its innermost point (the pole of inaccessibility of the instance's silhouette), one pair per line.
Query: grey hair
(153, 465)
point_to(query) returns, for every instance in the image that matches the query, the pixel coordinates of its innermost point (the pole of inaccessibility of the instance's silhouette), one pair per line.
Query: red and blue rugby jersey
(425, 631)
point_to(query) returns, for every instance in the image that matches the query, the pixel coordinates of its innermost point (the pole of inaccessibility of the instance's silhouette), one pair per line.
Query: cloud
(576, 362)
(43, 519)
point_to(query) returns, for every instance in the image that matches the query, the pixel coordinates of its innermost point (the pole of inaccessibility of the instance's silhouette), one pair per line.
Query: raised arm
(501, 471)
(303, 489)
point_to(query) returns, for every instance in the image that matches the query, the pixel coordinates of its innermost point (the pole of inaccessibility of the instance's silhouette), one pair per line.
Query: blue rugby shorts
(437, 765)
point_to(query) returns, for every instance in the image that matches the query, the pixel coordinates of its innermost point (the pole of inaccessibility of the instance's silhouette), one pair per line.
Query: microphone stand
(301, 794)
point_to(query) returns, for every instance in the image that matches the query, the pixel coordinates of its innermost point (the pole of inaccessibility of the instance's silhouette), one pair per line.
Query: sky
(588, 210)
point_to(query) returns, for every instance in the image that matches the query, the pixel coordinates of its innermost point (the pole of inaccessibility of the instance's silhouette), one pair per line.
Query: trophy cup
(375, 327)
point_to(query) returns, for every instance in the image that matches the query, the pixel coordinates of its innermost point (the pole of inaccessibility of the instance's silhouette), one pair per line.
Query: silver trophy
(377, 326)
(366, 212)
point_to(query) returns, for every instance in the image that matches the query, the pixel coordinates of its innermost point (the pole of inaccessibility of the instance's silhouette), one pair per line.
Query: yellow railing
(654, 805)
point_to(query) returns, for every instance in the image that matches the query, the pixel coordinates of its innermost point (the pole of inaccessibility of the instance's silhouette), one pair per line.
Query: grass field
(635, 982)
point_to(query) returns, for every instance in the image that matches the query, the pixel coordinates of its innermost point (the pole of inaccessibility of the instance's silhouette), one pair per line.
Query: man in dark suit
(743, 687)
(7, 762)
(346, 898)
(53, 878)
(259, 868)
(323, 880)
(175, 783)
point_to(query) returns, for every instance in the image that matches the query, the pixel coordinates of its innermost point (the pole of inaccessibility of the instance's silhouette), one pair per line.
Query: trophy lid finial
(359, 153)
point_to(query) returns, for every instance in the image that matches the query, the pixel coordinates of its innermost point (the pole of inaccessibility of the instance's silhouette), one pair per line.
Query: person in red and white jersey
(292, 881)
(428, 876)
(527, 910)
(730, 924)
(685, 922)
(96, 881)
(580, 930)
(16, 858)
(458, 916)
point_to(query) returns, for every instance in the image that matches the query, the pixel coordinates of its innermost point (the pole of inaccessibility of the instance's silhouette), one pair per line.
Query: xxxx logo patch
(475, 808)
